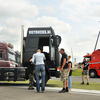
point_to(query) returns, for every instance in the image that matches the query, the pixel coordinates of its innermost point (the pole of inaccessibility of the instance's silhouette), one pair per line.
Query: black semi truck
(42, 38)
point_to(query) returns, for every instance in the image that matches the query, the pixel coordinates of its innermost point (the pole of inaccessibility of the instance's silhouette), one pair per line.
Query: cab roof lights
(10, 45)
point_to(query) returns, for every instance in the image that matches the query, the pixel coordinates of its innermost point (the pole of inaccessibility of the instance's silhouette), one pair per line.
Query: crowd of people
(66, 71)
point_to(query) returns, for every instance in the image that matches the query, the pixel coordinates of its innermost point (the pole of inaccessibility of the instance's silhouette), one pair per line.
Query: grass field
(17, 82)
(77, 72)
(76, 85)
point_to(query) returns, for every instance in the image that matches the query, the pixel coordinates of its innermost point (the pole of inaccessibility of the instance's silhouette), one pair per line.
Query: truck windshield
(88, 58)
(1, 54)
(18, 59)
(46, 49)
(11, 56)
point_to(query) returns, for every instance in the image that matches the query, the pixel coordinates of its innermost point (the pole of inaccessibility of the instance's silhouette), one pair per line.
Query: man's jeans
(38, 69)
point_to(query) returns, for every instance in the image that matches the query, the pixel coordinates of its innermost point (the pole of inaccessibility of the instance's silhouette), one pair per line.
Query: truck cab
(94, 63)
(43, 38)
(7, 55)
(9, 70)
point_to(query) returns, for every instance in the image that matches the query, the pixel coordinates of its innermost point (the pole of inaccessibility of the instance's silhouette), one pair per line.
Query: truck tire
(40, 81)
(92, 74)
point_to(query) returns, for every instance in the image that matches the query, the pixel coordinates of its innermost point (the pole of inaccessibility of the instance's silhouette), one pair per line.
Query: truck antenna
(97, 41)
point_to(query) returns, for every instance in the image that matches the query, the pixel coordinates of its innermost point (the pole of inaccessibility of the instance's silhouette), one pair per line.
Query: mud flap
(58, 74)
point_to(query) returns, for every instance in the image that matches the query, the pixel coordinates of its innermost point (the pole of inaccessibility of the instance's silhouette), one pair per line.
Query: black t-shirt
(70, 73)
(64, 56)
(86, 65)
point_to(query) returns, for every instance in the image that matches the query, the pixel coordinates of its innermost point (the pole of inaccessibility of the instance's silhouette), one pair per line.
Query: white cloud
(18, 8)
(79, 9)
(1, 28)
(75, 2)
(83, 45)
(13, 14)
(49, 10)
(59, 26)
(11, 30)
(95, 11)
(90, 31)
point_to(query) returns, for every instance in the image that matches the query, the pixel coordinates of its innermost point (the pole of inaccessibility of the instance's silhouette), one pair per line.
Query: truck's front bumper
(12, 74)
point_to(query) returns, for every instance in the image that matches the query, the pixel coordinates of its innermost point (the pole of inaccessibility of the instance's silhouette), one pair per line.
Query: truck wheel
(92, 74)
(40, 79)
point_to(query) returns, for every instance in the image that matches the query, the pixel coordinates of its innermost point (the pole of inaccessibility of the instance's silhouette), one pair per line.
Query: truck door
(31, 47)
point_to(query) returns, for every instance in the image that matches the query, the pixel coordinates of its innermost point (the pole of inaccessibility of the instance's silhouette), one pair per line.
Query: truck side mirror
(51, 41)
(57, 40)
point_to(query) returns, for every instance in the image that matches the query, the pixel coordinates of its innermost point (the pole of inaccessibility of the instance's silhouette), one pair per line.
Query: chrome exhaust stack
(22, 36)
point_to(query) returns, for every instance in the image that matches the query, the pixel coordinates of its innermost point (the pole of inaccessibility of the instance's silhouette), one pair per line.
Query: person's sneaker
(31, 88)
(67, 90)
(43, 91)
(62, 91)
(82, 83)
(87, 83)
(37, 91)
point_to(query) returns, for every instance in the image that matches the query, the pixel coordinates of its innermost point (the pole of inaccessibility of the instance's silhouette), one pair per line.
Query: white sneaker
(43, 91)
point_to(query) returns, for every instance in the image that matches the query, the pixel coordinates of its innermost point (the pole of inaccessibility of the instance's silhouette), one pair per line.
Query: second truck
(94, 61)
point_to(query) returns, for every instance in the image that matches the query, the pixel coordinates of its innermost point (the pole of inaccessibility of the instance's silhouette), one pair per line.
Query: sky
(76, 21)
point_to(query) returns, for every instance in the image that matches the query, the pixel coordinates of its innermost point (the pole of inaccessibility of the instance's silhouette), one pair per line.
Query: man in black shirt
(64, 71)
(85, 71)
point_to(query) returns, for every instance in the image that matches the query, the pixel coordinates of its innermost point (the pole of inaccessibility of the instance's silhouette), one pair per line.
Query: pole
(72, 54)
